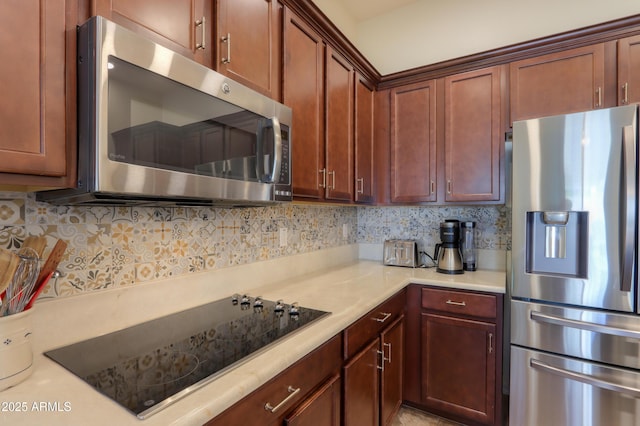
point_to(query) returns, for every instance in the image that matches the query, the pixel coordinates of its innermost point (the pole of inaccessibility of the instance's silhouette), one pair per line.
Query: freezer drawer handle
(589, 326)
(584, 378)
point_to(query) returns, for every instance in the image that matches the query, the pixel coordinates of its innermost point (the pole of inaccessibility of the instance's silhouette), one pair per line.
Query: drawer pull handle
(384, 318)
(452, 302)
(292, 393)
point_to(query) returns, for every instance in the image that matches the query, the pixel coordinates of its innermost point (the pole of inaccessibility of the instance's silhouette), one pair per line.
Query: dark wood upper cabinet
(37, 111)
(629, 70)
(364, 141)
(339, 109)
(303, 92)
(413, 142)
(248, 41)
(473, 137)
(184, 26)
(558, 83)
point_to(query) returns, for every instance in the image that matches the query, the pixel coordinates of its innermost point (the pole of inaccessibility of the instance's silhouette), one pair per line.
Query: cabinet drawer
(306, 374)
(460, 302)
(370, 325)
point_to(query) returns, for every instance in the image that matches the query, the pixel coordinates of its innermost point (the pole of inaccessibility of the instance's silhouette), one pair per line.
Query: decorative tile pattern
(119, 246)
(377, 224)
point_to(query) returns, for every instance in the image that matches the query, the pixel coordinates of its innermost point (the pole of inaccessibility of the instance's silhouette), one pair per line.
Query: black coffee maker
(448, 256)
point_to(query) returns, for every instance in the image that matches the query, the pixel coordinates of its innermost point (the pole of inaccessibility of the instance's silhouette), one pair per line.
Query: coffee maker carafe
(447, 254)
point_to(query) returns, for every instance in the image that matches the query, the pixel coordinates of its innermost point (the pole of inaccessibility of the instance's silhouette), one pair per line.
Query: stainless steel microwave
(157, 128)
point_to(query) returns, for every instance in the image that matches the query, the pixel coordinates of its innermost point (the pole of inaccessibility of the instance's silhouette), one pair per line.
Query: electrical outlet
(283, 237)
(345, 230)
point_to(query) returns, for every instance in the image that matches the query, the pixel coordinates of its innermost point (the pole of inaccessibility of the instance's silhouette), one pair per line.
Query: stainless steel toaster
(401, 253)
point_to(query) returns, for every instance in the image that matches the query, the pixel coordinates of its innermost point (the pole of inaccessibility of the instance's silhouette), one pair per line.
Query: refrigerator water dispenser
(556, 243)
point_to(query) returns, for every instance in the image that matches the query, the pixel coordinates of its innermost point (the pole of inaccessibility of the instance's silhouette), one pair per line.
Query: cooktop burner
(148, 366)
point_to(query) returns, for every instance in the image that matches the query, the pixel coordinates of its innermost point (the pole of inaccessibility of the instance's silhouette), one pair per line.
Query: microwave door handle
(274, 124)
(627, 201)
(277, 150)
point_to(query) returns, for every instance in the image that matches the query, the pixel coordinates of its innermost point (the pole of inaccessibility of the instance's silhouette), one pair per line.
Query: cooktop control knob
(294, 312)
(257, 304)
(234, 299)
(279, 308)
(245, 302)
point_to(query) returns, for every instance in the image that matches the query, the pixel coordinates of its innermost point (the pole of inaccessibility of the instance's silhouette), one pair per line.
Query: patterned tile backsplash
(376, 224)
(118, 246)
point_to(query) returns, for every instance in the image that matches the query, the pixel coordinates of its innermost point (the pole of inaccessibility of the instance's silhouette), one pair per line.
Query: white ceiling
(361, 10)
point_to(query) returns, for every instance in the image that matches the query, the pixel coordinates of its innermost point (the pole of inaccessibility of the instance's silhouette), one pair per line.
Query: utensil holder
(16, 354)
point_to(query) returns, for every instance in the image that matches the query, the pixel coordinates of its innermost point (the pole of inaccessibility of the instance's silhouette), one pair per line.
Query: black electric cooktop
(148, 366)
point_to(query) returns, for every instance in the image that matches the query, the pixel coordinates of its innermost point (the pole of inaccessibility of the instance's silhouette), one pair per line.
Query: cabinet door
(558, 83)
(322, 408)
(33, 112)
(363, 171)
(248, 37)
(339, 133)
(303, 92)
(473, 136)
(413, 143)
(458, 367)
(629, 70)
(391, 378)
(361, 397)
(183, 26)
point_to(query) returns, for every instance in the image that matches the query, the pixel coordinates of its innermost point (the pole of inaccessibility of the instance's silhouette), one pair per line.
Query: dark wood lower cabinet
(321, 409)
(459, 366)
(453, 354)
(312, 385)
(436, 349)
(373, 379)
(391, 377)
(361, 397)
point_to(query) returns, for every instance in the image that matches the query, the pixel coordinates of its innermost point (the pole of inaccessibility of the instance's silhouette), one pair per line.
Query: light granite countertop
(347, 289)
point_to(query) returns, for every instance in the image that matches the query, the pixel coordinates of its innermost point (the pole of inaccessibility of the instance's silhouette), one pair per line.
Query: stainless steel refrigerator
(575, 323)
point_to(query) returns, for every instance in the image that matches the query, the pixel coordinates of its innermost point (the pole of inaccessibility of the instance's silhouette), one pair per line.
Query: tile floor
(408, 416)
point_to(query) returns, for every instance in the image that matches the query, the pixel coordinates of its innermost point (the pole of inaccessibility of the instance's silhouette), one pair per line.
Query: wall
(376, 224)
(426, 32)
(120, 246)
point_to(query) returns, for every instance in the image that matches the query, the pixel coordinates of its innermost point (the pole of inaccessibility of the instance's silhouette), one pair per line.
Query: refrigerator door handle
(583, 325)
(627, 200)
(584, 378)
